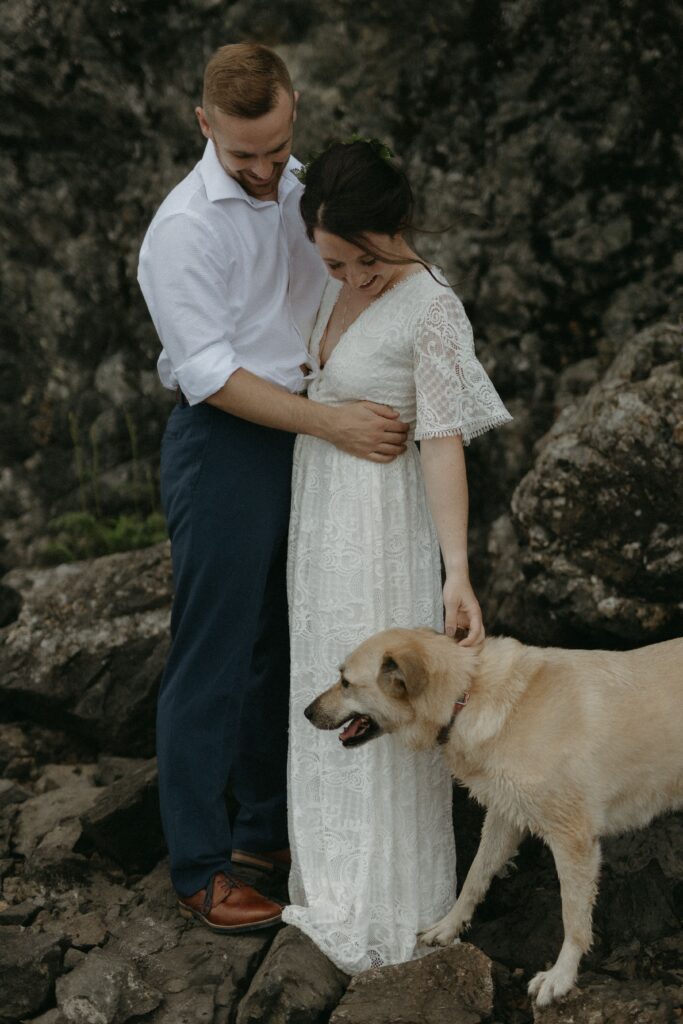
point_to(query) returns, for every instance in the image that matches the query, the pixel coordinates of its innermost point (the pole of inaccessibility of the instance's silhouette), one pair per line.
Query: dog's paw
(443, 933)
(549, 985)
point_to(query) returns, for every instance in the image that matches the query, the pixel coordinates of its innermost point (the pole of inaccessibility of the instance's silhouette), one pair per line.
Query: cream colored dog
(568, 745)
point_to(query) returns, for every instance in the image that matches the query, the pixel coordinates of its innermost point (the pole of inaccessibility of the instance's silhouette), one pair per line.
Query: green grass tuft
(79, 535)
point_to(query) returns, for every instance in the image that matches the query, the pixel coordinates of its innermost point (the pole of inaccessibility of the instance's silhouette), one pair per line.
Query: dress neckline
(372, 305)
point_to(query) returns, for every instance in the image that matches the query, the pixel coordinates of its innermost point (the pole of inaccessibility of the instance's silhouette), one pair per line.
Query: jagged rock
(88, 648)
(197, 1006)
(24, 746)
(19, 913)
(641, 884)
(7, 818)
(29, 963)
(10, 604)
(11, 793)
(601, 512)
(124, 822)
(453, 985)
(204, 963)
(111, 768)
(104, 988)
(639, 898)
(13, 745)
(72, 958)
(187, 963)
(48, 825)
(604, 1001)
(86, 930)
(51, 1017)
(520, 922)
(59, 776)
(653, 961)
(295, 984)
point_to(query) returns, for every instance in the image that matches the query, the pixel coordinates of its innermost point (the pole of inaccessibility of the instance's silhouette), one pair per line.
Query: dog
(568, 745)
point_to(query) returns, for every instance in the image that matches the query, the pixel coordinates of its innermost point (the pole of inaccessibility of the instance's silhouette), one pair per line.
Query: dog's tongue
(355, 726)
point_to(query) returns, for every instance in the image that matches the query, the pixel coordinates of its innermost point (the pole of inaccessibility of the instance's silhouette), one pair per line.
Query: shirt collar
(219, 184)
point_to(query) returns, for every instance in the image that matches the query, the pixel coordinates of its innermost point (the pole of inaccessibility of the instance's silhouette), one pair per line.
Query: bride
(373, 858)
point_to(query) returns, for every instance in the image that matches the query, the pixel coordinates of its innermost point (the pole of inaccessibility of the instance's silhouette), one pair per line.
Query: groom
(233, 286)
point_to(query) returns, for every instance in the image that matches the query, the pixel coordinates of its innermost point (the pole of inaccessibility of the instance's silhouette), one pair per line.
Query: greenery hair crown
(380, 148)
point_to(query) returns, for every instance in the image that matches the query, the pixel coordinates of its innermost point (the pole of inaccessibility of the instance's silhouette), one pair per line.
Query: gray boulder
(605, 1001)
(600, 515)
(190, 965)
(104, 988)
(87, 651)
(48, 828)
(295, 984)
(25, 747)
(451, 986)
(125, 824)
(29, 964)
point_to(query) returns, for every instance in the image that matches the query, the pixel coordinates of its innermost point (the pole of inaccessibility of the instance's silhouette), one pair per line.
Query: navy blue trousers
(223, 703)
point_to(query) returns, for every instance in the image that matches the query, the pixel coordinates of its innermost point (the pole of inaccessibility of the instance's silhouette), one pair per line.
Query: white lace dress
(371, 828)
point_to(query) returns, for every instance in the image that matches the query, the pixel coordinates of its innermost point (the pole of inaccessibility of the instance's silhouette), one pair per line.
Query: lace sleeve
(453, 392)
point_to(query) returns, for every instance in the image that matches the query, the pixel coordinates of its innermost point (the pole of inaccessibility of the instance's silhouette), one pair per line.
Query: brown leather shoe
(230, 906)
(271, 862)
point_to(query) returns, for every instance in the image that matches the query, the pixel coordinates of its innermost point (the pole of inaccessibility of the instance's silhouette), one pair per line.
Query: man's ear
(204, 125)
(402, 672)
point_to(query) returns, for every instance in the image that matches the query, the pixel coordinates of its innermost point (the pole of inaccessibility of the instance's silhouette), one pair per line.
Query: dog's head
(386, 685)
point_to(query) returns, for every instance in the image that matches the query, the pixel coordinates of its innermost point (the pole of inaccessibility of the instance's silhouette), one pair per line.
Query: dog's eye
(344, 682)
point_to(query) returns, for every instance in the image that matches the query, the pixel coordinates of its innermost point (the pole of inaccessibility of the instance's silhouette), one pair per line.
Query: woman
(370, 829)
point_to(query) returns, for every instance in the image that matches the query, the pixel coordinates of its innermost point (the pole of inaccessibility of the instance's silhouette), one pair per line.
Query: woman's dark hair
(352, 188)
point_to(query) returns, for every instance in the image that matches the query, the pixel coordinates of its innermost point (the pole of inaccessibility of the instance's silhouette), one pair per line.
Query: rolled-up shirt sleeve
(187, 278)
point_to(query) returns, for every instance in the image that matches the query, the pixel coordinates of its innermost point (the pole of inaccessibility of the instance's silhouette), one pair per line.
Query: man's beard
(256, 188)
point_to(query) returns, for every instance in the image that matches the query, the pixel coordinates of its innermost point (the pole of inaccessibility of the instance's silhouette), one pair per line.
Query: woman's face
(358, 269)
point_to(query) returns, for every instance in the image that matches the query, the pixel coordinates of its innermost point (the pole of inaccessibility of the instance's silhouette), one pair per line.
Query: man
(233, 286)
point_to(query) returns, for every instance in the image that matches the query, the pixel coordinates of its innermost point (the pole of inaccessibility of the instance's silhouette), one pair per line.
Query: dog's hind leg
(499, 842)
(577, 859)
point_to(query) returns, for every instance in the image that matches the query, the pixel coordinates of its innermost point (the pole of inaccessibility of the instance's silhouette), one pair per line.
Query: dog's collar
(445, 730)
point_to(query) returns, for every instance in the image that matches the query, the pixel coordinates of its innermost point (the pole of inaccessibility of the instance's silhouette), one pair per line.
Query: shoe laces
(224, 883)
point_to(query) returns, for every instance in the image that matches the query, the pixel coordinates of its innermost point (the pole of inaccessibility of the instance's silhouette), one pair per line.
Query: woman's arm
(443, 465)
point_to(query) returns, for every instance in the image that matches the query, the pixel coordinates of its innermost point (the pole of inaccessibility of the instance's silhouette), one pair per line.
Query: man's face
(253, 151)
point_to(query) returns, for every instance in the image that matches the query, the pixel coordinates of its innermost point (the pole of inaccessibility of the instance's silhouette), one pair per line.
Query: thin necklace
(344, 293)
(379, 295)
(344, 323)
(345, 307)
(344, 312)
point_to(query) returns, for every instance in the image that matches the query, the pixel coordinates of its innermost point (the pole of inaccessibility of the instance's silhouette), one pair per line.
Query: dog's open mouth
(359, 730)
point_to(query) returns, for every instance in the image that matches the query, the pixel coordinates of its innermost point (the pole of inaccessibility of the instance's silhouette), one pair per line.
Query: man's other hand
(369, 430)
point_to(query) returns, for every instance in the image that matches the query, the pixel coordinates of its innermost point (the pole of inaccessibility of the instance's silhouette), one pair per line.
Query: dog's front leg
(499, 842)
(577, 859)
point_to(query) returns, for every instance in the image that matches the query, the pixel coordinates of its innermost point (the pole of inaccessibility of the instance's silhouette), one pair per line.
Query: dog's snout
(309, 712)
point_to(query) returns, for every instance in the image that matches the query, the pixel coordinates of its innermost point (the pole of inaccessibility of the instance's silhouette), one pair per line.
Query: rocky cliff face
(544, 137)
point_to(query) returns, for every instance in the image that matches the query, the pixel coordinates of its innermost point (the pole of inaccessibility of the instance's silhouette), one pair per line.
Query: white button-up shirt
(230, 281)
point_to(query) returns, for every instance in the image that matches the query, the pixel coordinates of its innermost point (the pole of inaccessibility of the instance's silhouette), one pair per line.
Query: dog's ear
(402, 672)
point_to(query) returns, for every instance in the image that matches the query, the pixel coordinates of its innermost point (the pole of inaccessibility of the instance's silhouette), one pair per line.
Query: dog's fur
(569, 745)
